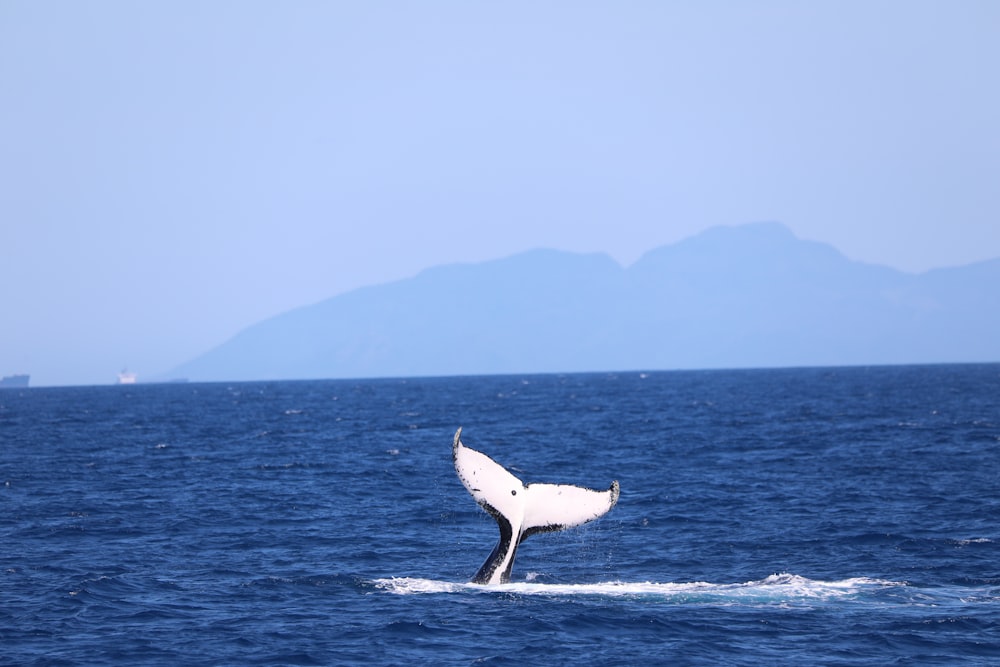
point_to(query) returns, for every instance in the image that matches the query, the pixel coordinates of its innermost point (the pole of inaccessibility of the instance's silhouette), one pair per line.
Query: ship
(126, 378)
(15, 381)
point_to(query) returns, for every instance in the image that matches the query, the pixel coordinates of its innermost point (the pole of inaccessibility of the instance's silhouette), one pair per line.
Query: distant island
(16, 381)
(731, 297)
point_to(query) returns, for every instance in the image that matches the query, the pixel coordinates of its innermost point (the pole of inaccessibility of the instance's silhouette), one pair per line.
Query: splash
(775, 589)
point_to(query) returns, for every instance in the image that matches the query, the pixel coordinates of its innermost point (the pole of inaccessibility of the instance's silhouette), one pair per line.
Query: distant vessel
(14, 381)
(126, 378)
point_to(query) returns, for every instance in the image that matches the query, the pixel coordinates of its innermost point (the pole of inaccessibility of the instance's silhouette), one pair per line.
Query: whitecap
(974, 540)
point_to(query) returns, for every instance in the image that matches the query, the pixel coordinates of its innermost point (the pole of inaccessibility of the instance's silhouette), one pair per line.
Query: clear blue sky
(171, 172)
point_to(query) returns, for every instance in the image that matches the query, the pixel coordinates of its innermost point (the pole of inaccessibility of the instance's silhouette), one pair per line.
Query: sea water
(804, 516)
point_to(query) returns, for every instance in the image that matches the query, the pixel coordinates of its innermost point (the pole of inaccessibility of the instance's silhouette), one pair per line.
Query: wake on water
(775, 589)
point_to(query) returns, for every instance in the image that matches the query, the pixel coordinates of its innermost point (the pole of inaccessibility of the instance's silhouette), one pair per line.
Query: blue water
(817, 516)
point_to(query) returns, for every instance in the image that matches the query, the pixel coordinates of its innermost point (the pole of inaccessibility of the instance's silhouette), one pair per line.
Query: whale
(522, 510)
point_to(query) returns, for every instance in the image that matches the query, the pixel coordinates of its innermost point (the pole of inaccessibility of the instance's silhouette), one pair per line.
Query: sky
(172, 172)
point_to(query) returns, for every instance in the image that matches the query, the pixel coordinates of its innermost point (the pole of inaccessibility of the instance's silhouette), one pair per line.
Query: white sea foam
(974, 540)
(775, 589)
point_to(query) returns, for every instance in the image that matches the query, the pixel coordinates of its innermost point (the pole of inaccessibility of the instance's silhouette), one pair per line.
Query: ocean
(828, 516)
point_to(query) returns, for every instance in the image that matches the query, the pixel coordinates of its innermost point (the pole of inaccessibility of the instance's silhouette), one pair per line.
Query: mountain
(746, 296)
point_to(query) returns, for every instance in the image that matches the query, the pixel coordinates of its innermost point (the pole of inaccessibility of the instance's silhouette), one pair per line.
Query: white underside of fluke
(522, 509)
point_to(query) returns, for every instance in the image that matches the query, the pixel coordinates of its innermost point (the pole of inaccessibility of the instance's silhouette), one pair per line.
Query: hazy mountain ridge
(752, 295)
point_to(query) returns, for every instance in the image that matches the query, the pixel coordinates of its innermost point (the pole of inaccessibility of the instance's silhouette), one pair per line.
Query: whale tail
(522, 510)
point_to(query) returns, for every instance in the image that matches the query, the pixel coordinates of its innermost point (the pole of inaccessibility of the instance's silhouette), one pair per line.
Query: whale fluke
(522, 510)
